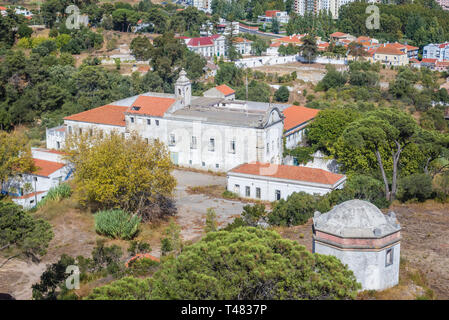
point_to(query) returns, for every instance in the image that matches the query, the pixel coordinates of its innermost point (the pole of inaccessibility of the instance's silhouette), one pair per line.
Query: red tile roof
(29, 195)
(108, 114)
(239, 39)
(271, 13)
(425, 60)
(296, 115)
(46, 168)
(290, 39)
(389, 50)
(225, 89)
(338, 34)
(203, 41)
(289, 172)
(151, 106)
(142, 255)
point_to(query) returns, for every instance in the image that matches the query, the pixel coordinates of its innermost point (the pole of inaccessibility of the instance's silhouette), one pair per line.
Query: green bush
(229, 195)
(297, 209)
(56, 194)
(116, 224)
(415, 186)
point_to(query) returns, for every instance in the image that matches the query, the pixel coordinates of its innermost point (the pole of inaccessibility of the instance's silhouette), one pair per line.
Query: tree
(211, 220)
(356, 50)
(327, 127)
(15, 155)
(415, 186)
(141, 48)
(21, 234)
(253, 214)
(382, 130)
(251, 264)
(309, 48)
(297, 209)
(332, 79)
(282, 94)
(114, 172)
(127, 288)
(275, 26)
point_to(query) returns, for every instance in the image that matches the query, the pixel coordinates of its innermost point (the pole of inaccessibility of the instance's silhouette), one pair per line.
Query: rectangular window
(277, 194)
(203, 164)
(217, 165)
(70, 129)
(132, 119)
(232, 146)
(148, 121)
(193, 143)
(157, 122)
(90, 132)
(211, 144)
(268, 148)
(247, 191)
(58, 145)
(237, 189)
(172, 140)
(258, 193)
(80, 130)
(389, 257)
(146, 140)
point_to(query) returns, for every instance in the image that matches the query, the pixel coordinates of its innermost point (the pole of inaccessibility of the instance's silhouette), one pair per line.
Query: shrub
(416, 186)
(56, 194)
(116, 224)
(229, 195)
(297, 209)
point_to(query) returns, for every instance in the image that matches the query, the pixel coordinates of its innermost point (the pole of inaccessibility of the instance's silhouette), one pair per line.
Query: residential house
(214, 45)
(281, 16)
(341, 38)
(30, 188)
(272, 182)
(242, 45)
(439, 51)
(390, 55)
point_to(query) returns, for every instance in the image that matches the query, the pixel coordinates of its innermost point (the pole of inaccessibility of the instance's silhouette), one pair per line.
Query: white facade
(28, 189)
(436, 51)
(268, 188)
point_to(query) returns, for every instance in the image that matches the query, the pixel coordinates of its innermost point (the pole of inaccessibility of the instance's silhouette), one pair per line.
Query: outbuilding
(362, 237)
(271, 182)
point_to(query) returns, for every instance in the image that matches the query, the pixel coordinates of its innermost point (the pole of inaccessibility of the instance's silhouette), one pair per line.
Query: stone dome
(356, 219)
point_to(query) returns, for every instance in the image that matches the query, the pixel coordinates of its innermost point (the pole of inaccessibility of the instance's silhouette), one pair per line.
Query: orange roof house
(45, 168)
(108, 114)
(151, 106)
(298, 116)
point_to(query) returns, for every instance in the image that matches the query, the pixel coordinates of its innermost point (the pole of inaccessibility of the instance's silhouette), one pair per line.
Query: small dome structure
(362, 237)
(356, 218)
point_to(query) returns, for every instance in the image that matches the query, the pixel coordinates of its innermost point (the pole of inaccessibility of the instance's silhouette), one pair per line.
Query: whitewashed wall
(269, 186)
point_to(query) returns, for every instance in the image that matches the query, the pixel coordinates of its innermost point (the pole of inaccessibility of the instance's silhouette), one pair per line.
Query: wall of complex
(369, 267)
(269, 186)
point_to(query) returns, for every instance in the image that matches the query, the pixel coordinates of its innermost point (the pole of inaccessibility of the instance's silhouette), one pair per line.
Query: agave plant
(56, 194)
(116, 224)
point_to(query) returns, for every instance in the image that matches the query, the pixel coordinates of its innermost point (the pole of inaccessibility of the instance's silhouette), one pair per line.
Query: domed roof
(182, 77)
(356, 218)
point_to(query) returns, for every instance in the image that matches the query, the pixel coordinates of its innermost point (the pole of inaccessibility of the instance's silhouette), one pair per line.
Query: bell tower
(183, 88)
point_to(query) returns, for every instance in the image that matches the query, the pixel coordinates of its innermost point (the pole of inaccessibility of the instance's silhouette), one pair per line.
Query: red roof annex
(225, 89)
(108, 114)
(151, 106)
(297, 115)
(289, 172)
(46, 168)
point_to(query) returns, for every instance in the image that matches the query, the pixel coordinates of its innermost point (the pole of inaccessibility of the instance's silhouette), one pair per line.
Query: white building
(271, 182)
(439, 51)
(301, 7)
(363, 238)
(297, 118)
(28, 189)
(281, 16)
(200, 132)
(214, 45)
